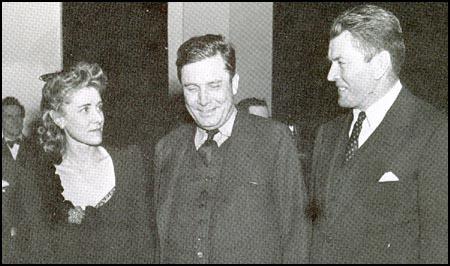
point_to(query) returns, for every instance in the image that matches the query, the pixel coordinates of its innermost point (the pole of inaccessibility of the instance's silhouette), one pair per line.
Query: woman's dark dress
(120, 231)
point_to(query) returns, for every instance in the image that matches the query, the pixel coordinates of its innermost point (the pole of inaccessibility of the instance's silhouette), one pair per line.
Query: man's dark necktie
(11, 143)
(352, 144)
(207, 148)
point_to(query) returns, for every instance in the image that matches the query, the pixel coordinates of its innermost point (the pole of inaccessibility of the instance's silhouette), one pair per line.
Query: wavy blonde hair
(55, 93)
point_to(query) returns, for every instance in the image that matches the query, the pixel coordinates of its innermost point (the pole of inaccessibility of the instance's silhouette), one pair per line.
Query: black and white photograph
(224, 132)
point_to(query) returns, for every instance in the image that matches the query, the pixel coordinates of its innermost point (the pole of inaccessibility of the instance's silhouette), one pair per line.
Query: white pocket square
(5, 184)
(388, 177)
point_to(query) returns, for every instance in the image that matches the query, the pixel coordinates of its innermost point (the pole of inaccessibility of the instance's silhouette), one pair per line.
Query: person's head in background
(206, 67)
(72, 116)
(367, 51)
(13, 114)
(254, 106)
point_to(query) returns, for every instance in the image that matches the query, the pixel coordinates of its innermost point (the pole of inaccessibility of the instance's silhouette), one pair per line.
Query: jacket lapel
(335, 159)
(23, 154)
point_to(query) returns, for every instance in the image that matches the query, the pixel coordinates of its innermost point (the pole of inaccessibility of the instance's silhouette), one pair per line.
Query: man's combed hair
(13, 101)
(55, 93)
(206, 46)
(376, 30)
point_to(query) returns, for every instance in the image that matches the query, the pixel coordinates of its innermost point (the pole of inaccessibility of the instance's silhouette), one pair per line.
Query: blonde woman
(97, 197)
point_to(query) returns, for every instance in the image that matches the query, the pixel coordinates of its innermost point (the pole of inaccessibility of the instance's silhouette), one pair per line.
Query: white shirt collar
(377, 111)
(15, 148)
(224, 131)
(8, 139)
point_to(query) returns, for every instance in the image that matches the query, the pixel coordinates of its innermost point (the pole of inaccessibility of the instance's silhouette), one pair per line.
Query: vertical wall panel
(251, 32)
(31, 46)
(175, 39)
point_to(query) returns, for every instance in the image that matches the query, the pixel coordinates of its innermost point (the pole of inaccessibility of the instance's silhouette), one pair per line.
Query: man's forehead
(206, 63)
(206, 70)
(342, 46)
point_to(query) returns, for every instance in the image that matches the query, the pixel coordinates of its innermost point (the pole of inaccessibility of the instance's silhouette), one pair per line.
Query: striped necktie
(352, 144)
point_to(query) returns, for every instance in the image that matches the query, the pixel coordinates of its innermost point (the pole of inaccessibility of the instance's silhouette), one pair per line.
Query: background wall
(129, 42)
(247, 25)
(31, 46)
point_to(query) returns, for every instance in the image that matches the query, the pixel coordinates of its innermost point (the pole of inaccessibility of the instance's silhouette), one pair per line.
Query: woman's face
(82, 116)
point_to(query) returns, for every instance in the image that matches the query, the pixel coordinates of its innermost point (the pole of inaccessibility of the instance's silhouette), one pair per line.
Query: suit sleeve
(291, 198)
(433, 199)
(315, 168)
(157, 162)
(156, 170)
(313, 210)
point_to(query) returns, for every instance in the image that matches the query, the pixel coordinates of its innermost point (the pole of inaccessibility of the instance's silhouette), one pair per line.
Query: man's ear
(235, 83)
(58, 119)
(381, 63)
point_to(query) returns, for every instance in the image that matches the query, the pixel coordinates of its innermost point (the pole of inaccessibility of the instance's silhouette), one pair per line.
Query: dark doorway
(129, 41)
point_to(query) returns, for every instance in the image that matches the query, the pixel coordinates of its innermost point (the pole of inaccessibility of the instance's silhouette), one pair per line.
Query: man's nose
(203, 97)
(332, 73)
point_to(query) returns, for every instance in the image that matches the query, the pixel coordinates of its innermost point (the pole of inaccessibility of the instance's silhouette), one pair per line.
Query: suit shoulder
(266, 131)
(430, 115)
(178, 133)
(268, 125)
(176, 136)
